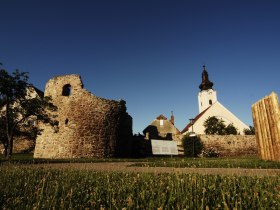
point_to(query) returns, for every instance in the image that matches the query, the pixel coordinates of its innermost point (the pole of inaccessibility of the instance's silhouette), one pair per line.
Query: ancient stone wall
(231, 145)
(89, 126)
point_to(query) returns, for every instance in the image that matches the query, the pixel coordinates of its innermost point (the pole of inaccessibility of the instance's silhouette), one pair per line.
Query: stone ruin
(89, 126)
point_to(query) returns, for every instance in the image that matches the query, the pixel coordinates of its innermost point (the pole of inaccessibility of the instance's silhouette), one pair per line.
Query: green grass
(178, 162)
(28, 159)
(37, 188)
(245, 162)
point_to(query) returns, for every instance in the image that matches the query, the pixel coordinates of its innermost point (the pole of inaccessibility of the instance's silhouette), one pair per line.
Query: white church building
(210, 106)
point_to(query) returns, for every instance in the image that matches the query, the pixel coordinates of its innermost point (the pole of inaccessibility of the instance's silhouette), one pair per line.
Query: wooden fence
(266, 117)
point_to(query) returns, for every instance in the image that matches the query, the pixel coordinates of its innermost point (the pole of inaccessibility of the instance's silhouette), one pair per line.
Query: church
(210, 106)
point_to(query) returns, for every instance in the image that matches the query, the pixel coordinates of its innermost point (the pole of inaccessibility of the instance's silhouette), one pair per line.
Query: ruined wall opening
(66, 90)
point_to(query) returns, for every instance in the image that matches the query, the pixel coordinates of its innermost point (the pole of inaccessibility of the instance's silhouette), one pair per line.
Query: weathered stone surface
(89, 126)
(231, 145)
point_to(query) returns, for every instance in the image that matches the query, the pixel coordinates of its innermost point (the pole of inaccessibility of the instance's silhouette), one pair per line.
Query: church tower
(207, 96)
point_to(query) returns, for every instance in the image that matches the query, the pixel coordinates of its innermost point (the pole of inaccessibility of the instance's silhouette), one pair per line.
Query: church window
(210, 102)
(161, 122)
(66, 121)
(66, 90)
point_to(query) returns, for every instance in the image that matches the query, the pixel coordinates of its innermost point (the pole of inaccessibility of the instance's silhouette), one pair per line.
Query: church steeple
(206, 96)
(206, 84)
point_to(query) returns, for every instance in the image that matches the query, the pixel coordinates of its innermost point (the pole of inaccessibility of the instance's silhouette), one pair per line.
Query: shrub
(192, 145)
(216, 126)
(210, 152)
(249, 131)
(230, 129)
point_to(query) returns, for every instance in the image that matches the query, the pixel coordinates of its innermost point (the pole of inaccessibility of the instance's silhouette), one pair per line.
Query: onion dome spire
(206, 84)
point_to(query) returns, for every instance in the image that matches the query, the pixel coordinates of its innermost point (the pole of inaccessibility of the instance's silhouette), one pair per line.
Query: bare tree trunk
(9, 134)
(10, 148)
(5, 151)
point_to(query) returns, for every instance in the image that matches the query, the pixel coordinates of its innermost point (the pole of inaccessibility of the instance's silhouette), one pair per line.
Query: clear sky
(149, 52)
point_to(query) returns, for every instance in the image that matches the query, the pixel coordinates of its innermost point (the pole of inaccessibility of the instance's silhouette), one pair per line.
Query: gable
(161, 125)
(219, 111)
(197, 117)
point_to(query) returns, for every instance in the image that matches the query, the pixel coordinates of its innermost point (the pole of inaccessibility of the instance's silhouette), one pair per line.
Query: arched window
(210, 102)
(66, 121)
(66, 90)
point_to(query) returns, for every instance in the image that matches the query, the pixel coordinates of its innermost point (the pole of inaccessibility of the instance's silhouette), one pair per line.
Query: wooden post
(276, 115)
(267, 124)
(266, 118)
(257, 129)
(264, 130)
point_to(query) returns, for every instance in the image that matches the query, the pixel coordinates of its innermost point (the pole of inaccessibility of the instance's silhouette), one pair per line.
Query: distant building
(209, 106)
(162, 129)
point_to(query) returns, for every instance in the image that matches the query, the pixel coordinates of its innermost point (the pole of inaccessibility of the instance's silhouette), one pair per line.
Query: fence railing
(266, 117)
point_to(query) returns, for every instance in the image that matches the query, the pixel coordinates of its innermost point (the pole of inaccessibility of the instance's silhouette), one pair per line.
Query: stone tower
(207, 96)
(89, 126)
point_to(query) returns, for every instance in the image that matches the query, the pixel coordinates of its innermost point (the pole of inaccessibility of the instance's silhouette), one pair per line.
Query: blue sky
(149, 53)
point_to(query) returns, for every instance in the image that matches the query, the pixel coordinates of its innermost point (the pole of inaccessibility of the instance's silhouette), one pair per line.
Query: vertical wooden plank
(261, 131)
(272, 125)
(262, 137)
(264, 130)
(276, 116)
(257, 129)
(269, 125)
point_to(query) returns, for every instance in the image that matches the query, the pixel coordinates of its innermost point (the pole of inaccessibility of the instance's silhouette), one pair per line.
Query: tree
(230, 129)
(213, 125)
(19, 105)
(192, 145)
(249, 131)
(3, 136)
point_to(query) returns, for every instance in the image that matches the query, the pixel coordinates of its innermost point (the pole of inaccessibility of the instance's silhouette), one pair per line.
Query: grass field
(30, 188)
(178, 162)
(245, 162)
(23, 186)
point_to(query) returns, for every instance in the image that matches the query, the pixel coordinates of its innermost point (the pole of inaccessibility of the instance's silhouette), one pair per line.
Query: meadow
(38, 188)
(163, 161)
(23, 186)
(232, 162)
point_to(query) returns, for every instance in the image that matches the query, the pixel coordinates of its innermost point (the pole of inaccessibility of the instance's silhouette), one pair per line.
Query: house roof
(167, 126)
(195, 119)
(161, 117)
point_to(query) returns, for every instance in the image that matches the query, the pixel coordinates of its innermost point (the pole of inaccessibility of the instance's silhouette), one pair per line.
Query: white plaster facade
(219, 111)
(206, 98)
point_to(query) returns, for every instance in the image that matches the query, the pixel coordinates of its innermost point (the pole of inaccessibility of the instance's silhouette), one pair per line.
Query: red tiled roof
(195, 119)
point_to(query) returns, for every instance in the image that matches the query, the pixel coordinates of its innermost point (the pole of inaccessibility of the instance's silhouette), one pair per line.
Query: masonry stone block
(89, 126)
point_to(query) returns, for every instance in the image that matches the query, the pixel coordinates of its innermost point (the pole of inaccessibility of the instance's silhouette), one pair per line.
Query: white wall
(219, 111)
(204, 97)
